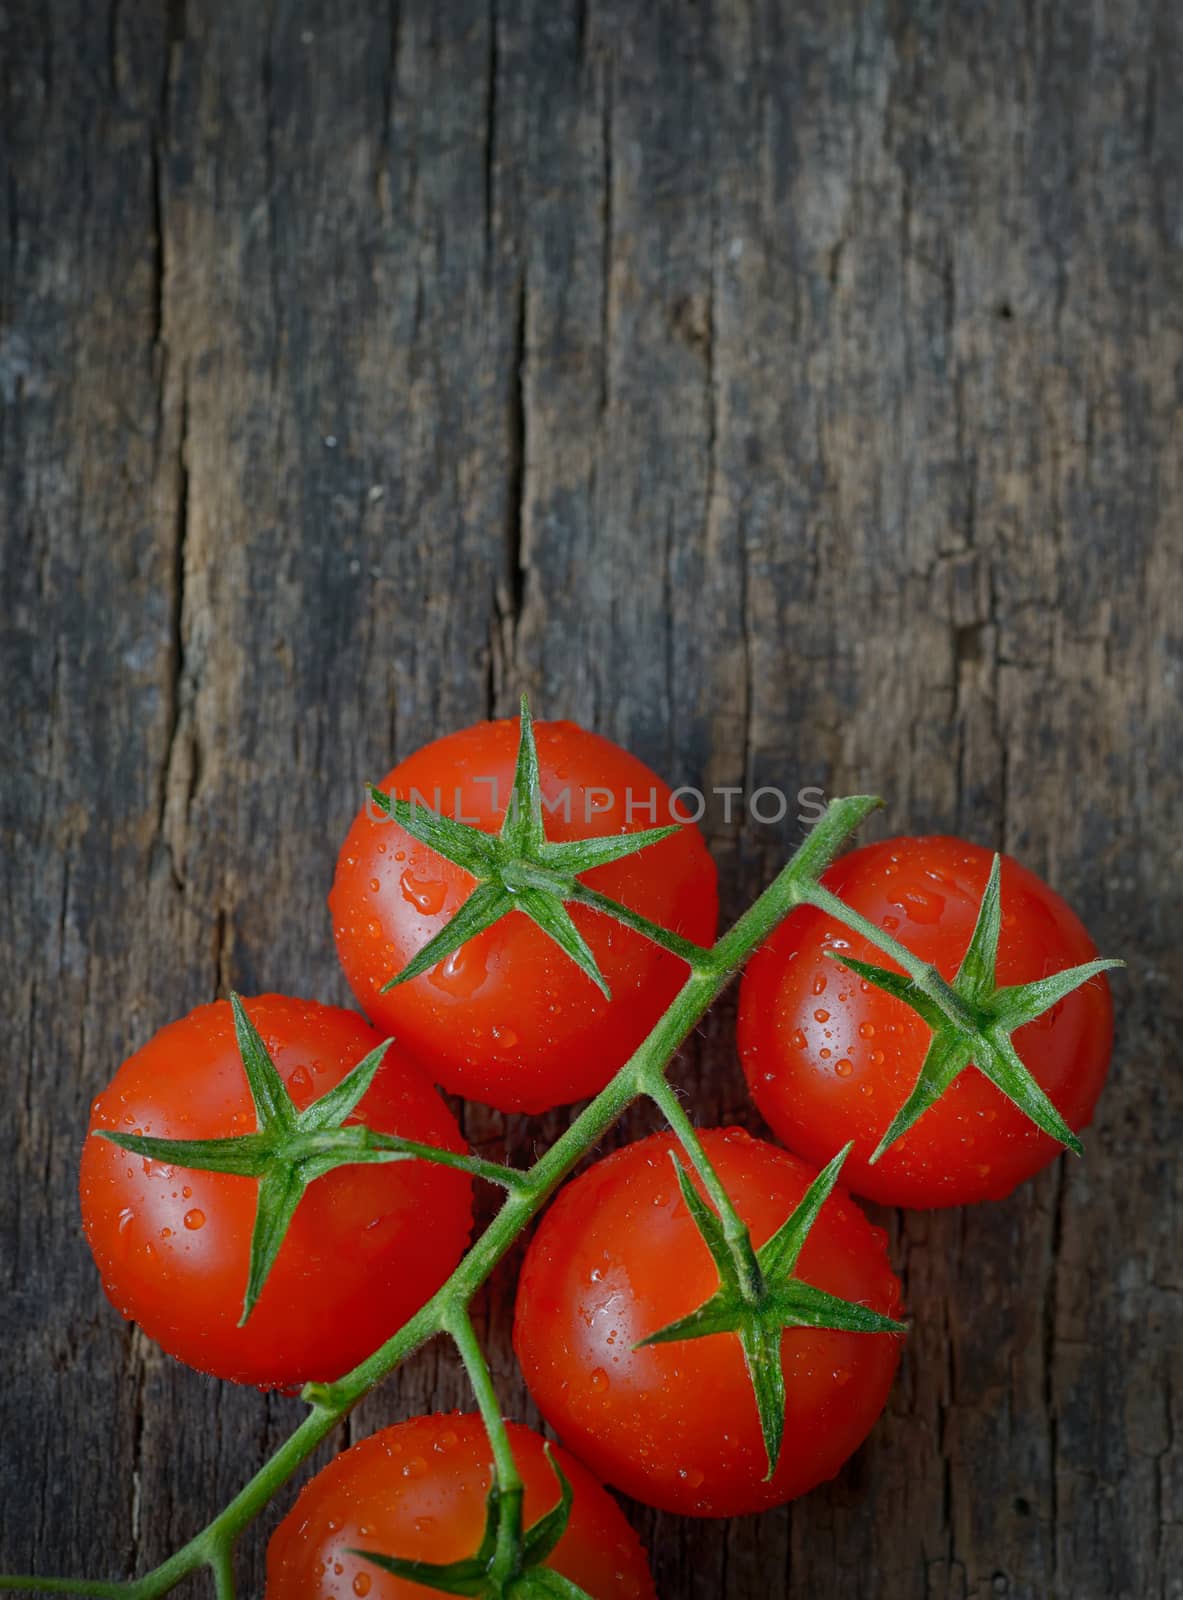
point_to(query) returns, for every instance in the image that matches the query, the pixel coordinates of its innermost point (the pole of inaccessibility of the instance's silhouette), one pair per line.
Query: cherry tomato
(418, 1491)
(830, 1058)
(367, 1244)
(508, 1019)
(618, 1257)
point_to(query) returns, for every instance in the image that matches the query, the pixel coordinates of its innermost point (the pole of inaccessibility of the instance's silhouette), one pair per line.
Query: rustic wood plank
(790, 393)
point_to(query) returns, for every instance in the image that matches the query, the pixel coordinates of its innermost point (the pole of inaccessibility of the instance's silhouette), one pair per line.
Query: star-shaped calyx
(779, 1300)
(520, 869)
(527, 1577)
(973, 1021)
(288, 1150)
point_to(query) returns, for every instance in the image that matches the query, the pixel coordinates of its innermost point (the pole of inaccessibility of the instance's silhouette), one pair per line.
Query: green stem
(735, 1229)
(223, 1570)
(507, 1555)
(459, 1325)
(643, 1073)
(926, 978)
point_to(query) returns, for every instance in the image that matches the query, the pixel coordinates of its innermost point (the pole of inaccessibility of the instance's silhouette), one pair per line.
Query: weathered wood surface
(790, 392)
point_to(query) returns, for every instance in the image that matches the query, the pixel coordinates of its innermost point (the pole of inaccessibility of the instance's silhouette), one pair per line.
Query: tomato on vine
(715, 1343)
(481, 907)
(417, 1492)
(248, 1199)
(670, 1383)
(835, 1048)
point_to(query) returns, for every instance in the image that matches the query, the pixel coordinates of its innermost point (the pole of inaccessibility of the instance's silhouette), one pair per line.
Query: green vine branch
(520, 871)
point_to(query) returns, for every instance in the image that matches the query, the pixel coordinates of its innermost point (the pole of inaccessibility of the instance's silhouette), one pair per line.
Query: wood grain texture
(791, 393)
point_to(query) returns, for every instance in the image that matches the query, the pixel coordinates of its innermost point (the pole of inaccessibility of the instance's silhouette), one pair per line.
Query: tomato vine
(520, 870)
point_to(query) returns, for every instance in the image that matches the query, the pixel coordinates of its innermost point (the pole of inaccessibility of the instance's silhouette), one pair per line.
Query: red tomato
(508, 1019)
(618, 1256)
(367, 1245)
(418, 1490)
(830, 1058)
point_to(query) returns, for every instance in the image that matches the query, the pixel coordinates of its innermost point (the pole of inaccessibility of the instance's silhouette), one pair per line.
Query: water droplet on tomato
(375, 885)
(891, 923)
(843, 1068)
(300, 1079)
(166, 1233)
(821, 1016)
(866, 1030)
(425, 894)
(194, 1219)
(599, 1380)
(799, 1039)
(923, 905)
(503, 1036)
(819, 984)
(462, 973)
(126, 1217)
(361, 1583)
(415, 1467)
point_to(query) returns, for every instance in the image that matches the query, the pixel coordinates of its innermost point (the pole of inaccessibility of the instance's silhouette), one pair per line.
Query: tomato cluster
(262, 1148)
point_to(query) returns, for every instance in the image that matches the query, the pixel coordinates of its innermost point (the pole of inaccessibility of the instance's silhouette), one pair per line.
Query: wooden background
(791, 392)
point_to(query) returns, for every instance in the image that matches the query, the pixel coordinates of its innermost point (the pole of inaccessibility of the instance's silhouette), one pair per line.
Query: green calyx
(759, 1307)
(520, 869)
(289, 1149)
(509, 1563)
(972, 1021)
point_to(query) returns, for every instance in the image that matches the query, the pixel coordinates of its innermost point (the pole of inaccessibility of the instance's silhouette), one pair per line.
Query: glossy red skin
(509, 1019)
(675, 1425)
(367, 1245)
(796, 1005)
(418, 1490)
